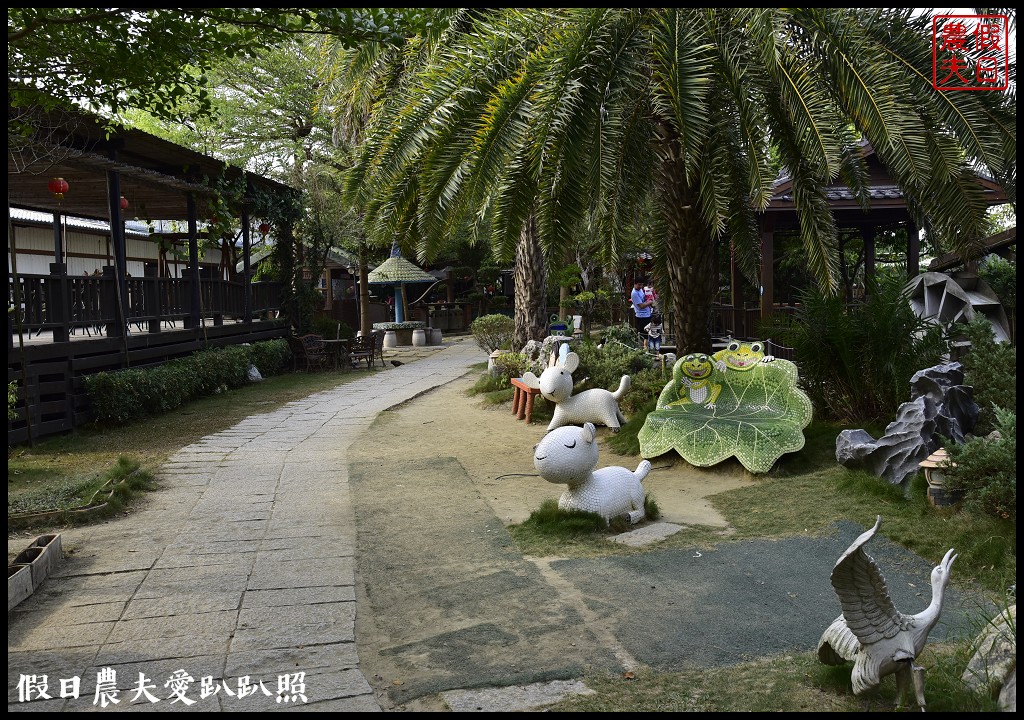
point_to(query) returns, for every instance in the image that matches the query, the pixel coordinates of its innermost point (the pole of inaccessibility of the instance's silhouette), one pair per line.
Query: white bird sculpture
(871, 632)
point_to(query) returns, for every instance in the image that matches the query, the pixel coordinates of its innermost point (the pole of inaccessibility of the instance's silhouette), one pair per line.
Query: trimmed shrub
(493, 332)
(127, 395)
(273, 356)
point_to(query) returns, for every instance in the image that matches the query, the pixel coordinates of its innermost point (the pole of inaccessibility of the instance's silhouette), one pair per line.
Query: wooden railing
(65, 305)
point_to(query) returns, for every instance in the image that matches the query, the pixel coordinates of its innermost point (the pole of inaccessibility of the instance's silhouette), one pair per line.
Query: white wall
(85, 251)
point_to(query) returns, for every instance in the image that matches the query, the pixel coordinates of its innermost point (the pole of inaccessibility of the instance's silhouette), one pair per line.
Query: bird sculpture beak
(947, 561)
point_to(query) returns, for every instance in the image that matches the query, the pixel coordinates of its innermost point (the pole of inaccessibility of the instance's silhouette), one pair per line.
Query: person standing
(655, 330)
(641, 309)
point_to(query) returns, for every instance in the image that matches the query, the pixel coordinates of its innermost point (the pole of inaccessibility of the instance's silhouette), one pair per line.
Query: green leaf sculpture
(715, 408)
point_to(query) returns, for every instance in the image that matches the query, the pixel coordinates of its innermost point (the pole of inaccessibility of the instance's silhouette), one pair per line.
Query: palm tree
(531, 127)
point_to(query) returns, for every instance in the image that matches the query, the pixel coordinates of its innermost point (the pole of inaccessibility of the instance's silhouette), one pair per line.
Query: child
(654, 332)
(652, 297)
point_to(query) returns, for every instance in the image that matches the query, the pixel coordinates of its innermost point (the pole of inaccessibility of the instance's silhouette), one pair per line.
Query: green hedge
(123, 396)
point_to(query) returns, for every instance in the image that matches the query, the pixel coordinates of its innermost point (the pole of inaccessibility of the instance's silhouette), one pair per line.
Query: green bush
(991, 369)
(645, 386)
(493, 332)
(856, 362)
(1001, 276)
(606, 365)
(986, 470)
(127, 395)
(622, 333)
(327, 327)
(271, 357)
(511, 365)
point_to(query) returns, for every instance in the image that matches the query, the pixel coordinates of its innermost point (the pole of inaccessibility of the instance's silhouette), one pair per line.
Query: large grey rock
(941, 406)
(993, 668)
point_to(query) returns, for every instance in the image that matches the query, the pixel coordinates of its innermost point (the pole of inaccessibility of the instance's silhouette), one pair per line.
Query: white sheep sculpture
(597, 406)
(569, 455)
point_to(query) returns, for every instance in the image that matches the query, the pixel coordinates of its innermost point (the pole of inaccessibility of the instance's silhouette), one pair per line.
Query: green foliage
(327, 327)
(991, 369)
(271, 356)
(114, 488)
(856, 362)
(1001, 276)
(126, 395)
(986, 470)
(605, 366)
(154, 59)
(12, 399)
(493, 332)
(512, 365)
(645, 386)
(623, 333)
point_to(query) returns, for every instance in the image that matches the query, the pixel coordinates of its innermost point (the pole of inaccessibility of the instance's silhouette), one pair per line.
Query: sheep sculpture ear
(531, 380)
(571, 362)
(589, 432)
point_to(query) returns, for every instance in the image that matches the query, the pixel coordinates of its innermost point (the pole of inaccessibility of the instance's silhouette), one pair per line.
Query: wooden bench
(522, 399)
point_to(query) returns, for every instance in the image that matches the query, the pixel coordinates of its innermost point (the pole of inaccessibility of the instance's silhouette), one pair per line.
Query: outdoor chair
(378, 347)
(362, 349)
(309, 351)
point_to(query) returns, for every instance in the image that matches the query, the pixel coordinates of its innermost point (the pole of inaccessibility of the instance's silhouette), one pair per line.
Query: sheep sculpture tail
(623, 387)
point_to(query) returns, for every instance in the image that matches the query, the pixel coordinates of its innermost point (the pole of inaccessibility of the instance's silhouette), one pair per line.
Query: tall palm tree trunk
(530, 278)
(690, 255)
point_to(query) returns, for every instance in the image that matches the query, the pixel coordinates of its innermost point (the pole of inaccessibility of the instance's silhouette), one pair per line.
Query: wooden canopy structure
(889, 208)
(125, 321)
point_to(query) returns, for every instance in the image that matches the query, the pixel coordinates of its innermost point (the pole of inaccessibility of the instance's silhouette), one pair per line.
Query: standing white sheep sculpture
(569, 455)
(594, 406)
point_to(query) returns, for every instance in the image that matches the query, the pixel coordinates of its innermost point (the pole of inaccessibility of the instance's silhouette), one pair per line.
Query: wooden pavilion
(888, 210)
(134, 321)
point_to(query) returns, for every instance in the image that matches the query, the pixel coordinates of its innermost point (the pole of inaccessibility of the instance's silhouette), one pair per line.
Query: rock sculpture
(590, 406)
(568, 455)
(940, 406)
(871, 632)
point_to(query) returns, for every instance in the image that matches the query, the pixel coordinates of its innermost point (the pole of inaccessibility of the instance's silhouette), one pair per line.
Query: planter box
(19, 584)
(31, 567)
(53, 553)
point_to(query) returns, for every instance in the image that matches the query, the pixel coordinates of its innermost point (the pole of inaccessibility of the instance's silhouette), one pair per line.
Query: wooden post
(58, 239)
(57, 302)
(736, 289)
(195, 298)
(246, 269)
(151, 296)
(913, 251)
(109, 305)
(767, 267)
(868, 233)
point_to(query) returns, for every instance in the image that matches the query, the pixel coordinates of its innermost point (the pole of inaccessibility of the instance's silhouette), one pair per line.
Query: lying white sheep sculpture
(569, 455)
(594, 406)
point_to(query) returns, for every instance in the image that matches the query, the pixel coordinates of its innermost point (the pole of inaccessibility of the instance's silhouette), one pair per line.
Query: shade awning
(398, 271)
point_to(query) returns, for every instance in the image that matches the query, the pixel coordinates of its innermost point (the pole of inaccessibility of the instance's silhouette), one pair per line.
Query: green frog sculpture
(739, 402)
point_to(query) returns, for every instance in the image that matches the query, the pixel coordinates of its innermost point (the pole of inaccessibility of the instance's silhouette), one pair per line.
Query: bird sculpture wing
(867, 608)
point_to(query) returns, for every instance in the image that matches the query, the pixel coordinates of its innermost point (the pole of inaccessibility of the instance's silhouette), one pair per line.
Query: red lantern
(264, 228)
(58, 186)
(124, 203)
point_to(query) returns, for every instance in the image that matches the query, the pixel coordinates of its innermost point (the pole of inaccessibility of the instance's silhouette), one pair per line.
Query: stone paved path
(238, 571)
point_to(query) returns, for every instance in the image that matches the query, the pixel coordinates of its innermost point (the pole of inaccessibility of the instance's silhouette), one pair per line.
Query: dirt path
(446, 602)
